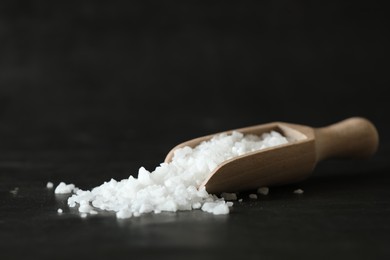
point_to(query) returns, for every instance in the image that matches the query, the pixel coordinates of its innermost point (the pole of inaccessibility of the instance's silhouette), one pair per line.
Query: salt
(171, 186)
(59, 211)
(263, 190)
(298, 191)
(253, 196)
(49, 185)
(64, 188)
(217, 207)
(14, 191)
(229, 196)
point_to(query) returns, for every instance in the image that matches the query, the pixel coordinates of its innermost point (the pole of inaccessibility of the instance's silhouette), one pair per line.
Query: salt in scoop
(354, 138)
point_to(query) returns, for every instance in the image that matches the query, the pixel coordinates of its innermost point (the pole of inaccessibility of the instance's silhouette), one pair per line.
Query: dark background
(90, 91)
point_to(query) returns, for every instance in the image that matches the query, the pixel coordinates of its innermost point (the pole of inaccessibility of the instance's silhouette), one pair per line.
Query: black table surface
(343, 213)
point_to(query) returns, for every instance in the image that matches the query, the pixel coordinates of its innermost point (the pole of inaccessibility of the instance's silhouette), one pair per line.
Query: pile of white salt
(171, 186)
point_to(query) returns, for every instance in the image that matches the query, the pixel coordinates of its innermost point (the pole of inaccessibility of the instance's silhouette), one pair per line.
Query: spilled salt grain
(49, 185)
(124, 213)
(240, 200)
(253, 196)
(196, 205)
(229, 196)
(298, 191)
(64, 188)
(171, 186)
(263, 190)
(14, 191)
(83, 215)
(217, 208)
(60, 211)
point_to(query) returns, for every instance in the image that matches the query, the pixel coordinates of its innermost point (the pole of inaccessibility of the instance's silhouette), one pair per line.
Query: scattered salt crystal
(240, 200)
(253, 196)
(83, 215)
(124, 213)
(64, 188)
(229, 196)
(263, 190)
(85, 208)
(49, 185)
(217, 208)
(171, 186)
(14, 191)
(196, 205)
(298, 191)
(60, 211)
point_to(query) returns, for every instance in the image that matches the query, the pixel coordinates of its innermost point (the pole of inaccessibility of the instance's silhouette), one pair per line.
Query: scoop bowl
(354, 138)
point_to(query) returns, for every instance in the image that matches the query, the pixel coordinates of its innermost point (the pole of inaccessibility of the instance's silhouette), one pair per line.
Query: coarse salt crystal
(49, 185)
(64, 188)
(14, 191)
(86, 208)
(172, 186)
(124, 213)
(229, 196)
(59, 211)
(298, 191)
(217, 208)
(196, 205)
(263, 190)
(253, 196)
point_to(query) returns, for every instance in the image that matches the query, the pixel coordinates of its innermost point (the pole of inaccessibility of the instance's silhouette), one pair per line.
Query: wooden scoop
(355, 138)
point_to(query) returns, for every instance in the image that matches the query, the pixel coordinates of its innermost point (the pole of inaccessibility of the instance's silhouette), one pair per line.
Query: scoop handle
(354, 138)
